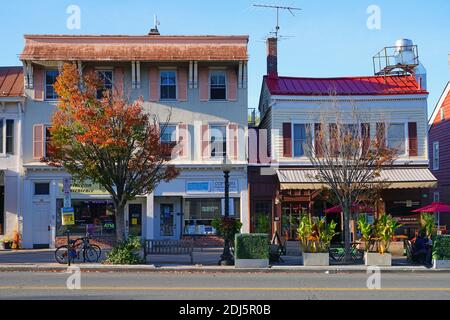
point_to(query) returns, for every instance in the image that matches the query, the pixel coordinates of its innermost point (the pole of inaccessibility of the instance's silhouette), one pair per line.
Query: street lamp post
(226, 259)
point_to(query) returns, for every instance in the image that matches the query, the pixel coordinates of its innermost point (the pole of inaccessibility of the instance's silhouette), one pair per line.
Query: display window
(95, 217)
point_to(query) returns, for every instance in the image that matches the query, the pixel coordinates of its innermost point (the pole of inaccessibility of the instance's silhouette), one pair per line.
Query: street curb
(200, 269)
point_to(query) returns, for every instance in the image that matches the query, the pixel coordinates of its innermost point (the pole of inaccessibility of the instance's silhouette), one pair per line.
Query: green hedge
(441, 248)
(252, 246)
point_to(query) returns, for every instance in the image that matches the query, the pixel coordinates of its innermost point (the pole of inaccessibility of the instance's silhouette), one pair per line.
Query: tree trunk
(120, 223)
(347, 235)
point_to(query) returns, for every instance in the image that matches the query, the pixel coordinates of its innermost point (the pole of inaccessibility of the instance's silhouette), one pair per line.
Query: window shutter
(381, 134)
(118, 82)
(203, 83)
(287, 140)
(334, 139)
(232, 84)
(412, 137)
(182, 84)
(154, 84)
(365, 136)
(233, 138)
(183, 140)
(318, 140)
(39, 83)
(205, 142)
(38, 141)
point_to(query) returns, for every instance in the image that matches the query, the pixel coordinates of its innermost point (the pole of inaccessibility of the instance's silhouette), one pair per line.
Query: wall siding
(308, 113)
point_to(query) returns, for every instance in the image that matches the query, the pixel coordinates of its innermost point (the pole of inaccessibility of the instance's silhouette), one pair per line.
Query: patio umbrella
(356, 208)
(435, 207)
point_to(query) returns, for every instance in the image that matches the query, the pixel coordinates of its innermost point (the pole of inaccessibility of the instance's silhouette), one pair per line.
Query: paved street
(228, 286)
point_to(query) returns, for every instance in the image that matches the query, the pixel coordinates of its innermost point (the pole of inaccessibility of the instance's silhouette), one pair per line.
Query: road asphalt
(223, 286)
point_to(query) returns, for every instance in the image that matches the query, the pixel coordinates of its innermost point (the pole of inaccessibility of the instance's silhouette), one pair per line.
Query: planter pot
(251, 263)
(316, 259)
(8, 245)
(396, 248)
(2, 245)
(377, 259)
(441, 264)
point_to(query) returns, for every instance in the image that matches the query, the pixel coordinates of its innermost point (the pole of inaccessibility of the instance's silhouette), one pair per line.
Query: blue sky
(327, 38)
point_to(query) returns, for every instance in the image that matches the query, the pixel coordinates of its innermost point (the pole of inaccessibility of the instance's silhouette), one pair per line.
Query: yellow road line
(94, 288)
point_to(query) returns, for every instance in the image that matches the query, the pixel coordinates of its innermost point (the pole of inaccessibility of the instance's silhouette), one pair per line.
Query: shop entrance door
(290, 218)
(167, 222)
(135, 219)
(41, 224)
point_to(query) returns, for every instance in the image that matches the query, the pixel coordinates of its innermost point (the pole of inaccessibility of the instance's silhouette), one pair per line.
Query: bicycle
(90, 252)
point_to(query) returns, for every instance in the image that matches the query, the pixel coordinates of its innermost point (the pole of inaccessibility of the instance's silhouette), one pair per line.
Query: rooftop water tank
(404, 52)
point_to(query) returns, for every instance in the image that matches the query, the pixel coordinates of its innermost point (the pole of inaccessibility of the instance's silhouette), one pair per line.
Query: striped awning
(398, 178)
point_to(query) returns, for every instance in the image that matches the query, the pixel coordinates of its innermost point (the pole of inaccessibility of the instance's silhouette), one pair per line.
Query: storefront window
(199, 214)
(93, 216)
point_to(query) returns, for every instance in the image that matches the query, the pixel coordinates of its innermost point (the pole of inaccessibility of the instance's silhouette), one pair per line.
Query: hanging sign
(68, 216)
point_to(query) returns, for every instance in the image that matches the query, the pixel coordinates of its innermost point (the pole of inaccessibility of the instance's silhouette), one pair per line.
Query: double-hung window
(106, 79)
(168, 85)
(302, 139)
(218, 141)
(396, 138)
(169, 138)
(436, 155)
(50, 80)
(218, 85)
(6, 136)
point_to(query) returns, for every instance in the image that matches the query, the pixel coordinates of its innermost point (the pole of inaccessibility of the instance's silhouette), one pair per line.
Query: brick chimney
(272, 57)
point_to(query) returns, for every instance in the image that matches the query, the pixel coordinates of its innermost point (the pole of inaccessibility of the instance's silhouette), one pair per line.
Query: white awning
(399, 178)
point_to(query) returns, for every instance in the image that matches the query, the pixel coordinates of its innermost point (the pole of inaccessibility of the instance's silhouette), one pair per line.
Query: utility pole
(278, 8)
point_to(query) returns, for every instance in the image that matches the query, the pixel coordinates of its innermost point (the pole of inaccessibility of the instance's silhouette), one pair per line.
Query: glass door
(135, 219)
(167, 221)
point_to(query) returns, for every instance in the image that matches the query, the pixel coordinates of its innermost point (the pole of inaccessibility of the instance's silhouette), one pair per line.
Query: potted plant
(227, 227)
(315, 239)
(8, 243)
(252, 250)
(377, 239)
(441, 252)
(428, 224)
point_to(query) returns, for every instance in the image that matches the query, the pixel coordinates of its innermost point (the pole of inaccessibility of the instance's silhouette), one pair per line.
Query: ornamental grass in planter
(377, 238)
(315, 238)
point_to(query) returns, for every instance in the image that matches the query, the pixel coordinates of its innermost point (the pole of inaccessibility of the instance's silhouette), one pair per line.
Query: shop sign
(68, 216)
(197, 186)
(85, 187)
(219, 186)
(407, 220)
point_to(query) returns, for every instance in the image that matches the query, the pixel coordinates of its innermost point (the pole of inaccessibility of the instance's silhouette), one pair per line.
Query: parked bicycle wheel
(92, 253)
(62, 254)
(98, 249)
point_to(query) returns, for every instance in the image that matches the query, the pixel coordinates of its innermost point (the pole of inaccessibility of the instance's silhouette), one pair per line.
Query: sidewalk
(205, 261)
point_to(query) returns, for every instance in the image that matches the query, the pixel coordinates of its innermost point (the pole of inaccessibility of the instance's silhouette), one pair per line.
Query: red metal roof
(141, 48)
(347, 86)
(11, 82)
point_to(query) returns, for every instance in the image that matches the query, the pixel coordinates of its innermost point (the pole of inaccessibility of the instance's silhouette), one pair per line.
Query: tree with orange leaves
(110, 141)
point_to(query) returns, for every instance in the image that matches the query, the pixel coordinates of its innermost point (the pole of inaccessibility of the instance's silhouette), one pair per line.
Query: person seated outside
(422, 249)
